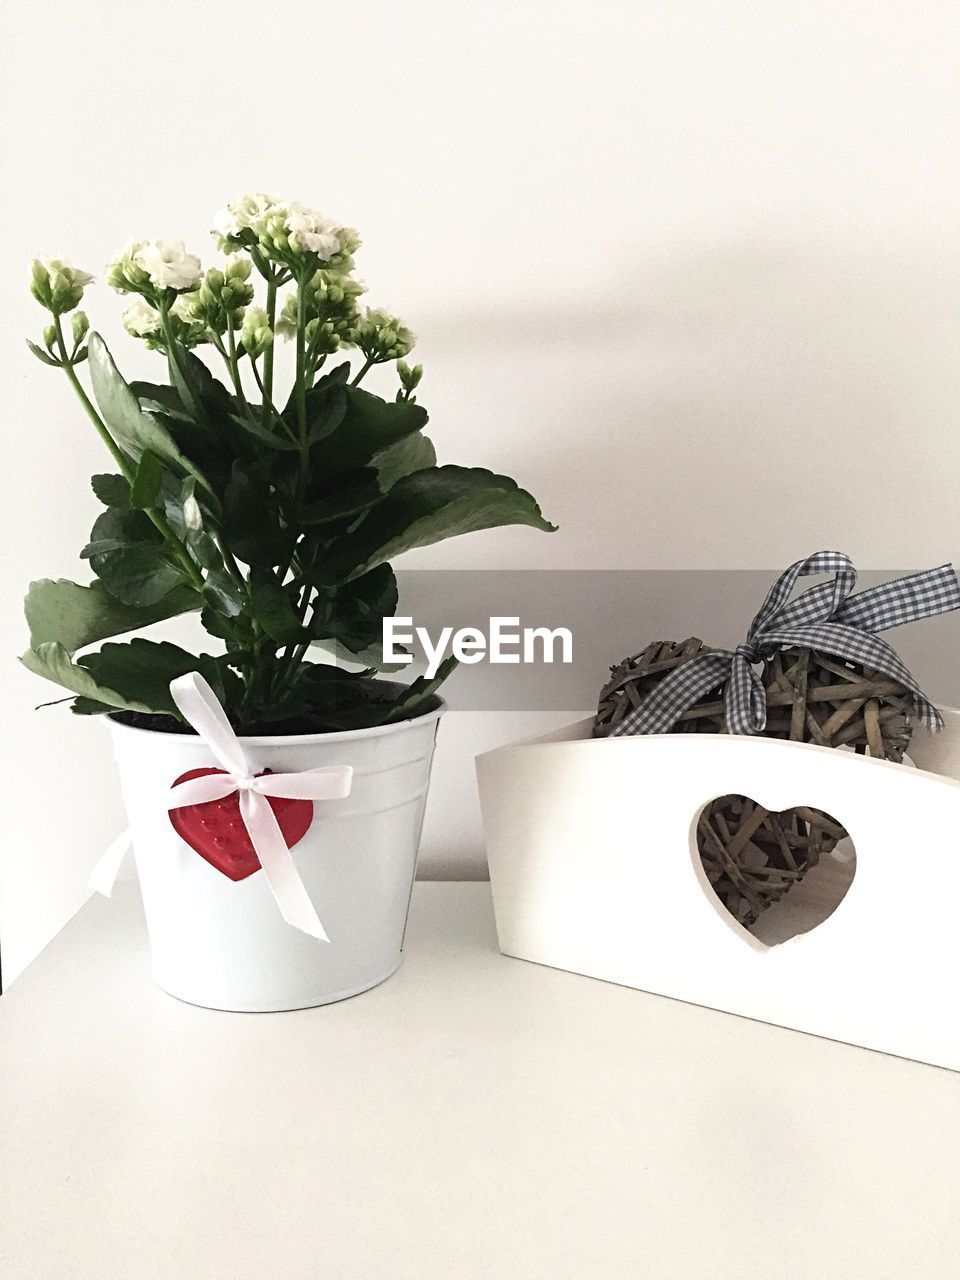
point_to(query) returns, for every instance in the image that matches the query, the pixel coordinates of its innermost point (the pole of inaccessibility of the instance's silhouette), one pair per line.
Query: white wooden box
(595, 868)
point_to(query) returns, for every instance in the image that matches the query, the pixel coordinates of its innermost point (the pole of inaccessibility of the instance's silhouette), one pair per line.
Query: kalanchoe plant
(274, 517)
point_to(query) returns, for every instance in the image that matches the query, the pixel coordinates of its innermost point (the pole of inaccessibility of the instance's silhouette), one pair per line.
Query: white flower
(310, 231)
(72, 276)
(141, 319)
(168, 264)
(249, 212)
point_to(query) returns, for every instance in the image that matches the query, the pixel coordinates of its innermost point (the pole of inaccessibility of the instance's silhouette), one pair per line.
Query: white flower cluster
(178, 303)
(279, 226)
(164, 264)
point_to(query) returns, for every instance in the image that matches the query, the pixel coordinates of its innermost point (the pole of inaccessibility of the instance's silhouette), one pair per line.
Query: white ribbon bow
(199, 707)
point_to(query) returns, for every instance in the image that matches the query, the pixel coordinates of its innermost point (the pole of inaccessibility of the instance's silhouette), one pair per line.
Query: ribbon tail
(909, 599)
(681, 689)
(278, 866)
(745, 699)
(104, 875)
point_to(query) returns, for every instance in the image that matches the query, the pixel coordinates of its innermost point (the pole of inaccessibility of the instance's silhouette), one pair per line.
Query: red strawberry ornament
(217, 832)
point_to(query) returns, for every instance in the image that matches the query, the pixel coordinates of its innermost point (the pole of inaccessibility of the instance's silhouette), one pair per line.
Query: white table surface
(473, 1117)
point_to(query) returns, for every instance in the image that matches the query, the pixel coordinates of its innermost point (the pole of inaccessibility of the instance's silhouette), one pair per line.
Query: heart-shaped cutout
(777, 874)
(217, 832)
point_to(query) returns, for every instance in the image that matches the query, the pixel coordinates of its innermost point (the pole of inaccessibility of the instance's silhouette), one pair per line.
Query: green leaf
(137, 575)
(325, 404)
(421, 692)
(371, 657)
(145, 490)
(272, 439)
(90, 707)
(113, 491)
(223, 595)
(326, 409)
(189, 514)
(426, 507)
(119, 527)
(127, 555)
(75, 616)
(141, 670)
(415, 453)
(215, 624)
(331, 692)
(271, 605)
(369, 426)
(188, 380)
(157, 397)
(42, 355)
(251, 526)
(52, 661)
(331, 698)
(133, 429)
(352, 614)
(356, 494)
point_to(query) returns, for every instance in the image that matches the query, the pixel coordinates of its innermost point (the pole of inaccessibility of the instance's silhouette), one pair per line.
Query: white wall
(687, 269)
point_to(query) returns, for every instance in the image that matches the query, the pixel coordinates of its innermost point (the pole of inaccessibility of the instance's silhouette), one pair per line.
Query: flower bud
(50, 336)
(383, 337)
(80, 325)
(40, 283)
(286, 324)
(256, 334)
(57, 285)
(236, 270)
(409, 378)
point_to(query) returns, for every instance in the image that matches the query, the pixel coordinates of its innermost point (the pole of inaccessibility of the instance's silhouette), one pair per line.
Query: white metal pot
(223, 944)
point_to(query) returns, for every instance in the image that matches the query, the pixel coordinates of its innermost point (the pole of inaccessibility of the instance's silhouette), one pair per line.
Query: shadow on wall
(727, 403)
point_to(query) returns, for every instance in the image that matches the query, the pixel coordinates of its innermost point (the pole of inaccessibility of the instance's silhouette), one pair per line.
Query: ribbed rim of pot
(298, 739)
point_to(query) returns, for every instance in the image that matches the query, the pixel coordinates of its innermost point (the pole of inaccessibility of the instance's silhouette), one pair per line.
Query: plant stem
(156, 518)
(234, 366)
(230, 563)
(115, 451)
(368, 364)
(300, 392)
(273, 411)
(268, 354)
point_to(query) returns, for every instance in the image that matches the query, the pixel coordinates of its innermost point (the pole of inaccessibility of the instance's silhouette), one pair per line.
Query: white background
(687, 270)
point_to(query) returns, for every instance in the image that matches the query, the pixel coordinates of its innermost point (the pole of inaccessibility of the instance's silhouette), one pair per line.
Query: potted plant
(275, 516)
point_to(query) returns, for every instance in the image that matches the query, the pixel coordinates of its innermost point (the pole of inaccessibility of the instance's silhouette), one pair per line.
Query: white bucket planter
(224, 944)
(595, 868)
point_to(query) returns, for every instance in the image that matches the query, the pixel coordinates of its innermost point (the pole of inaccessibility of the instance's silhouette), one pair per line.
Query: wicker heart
(757, 863)
(216, 830)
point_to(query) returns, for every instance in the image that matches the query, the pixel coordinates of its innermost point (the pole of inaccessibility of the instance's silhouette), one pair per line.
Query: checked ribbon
(825, 617)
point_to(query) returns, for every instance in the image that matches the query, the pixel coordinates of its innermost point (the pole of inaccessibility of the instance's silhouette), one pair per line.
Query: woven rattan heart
(756, 860)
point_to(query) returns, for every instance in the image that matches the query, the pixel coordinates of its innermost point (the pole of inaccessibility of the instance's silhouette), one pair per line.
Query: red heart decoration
(216, 830)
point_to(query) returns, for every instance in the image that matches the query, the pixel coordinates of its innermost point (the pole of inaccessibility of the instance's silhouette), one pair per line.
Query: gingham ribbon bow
(822, 618)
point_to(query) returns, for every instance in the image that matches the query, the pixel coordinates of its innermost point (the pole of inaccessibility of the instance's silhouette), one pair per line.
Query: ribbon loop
(825, 617)
(199, 707)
